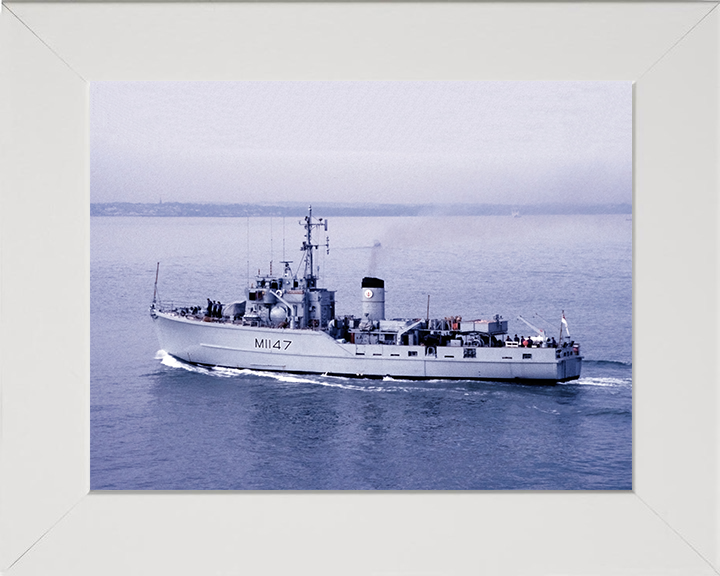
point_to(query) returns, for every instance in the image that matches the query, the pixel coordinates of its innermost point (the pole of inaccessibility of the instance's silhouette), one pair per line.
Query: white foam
(552, 412)
(341, 382)
(607, 382)
(285, 378)
(172, 362)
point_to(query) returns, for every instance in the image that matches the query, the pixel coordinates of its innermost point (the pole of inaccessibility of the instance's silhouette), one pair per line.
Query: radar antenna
(308, 246)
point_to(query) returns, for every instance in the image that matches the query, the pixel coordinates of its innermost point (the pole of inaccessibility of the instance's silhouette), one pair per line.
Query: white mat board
(669, 524)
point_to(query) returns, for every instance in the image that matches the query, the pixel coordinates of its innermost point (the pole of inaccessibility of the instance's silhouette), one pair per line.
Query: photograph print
(361, 285)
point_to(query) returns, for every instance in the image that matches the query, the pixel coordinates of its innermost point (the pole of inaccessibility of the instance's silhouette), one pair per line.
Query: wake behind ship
(287, 323)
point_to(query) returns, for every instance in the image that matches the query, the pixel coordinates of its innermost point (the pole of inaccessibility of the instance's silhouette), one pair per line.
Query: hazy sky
(393, 142)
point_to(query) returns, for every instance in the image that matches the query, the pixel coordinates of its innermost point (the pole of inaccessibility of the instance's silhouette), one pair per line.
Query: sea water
(160, 424)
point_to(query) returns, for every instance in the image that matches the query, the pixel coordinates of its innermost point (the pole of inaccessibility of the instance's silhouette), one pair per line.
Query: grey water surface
(158, 424)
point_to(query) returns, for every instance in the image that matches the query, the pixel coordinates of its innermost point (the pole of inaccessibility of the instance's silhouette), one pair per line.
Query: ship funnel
(373, 298)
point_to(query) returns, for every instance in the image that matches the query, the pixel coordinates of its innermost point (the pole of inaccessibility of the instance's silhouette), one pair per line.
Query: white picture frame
(51, 523)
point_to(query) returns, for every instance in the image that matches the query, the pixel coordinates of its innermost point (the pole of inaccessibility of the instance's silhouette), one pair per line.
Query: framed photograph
(361, 285)
(50, 54)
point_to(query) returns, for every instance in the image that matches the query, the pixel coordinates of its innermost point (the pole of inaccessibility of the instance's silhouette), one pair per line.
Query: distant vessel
(515, 213)
(286, 323)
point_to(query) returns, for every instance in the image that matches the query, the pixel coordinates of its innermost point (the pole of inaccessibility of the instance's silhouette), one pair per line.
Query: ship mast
(308, 246)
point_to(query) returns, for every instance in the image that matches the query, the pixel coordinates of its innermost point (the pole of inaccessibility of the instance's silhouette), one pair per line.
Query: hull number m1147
(267, 343)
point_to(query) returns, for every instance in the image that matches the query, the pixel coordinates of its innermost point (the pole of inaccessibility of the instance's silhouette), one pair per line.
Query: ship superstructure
(288, 323)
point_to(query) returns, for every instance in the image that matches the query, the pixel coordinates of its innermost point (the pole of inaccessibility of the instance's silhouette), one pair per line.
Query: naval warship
(287, 323)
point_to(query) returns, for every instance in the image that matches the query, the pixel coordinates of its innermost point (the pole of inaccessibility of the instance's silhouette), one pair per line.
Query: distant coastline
(181, 209)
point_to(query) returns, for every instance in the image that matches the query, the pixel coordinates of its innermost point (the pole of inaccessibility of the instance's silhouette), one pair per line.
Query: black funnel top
(370, 282)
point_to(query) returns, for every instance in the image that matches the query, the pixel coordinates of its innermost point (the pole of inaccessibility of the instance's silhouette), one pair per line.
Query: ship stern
(569, 368)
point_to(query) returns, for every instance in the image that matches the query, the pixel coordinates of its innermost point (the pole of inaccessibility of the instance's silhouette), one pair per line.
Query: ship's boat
(287, 323)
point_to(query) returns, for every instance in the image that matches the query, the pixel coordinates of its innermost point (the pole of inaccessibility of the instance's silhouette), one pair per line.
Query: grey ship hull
(308, 351)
